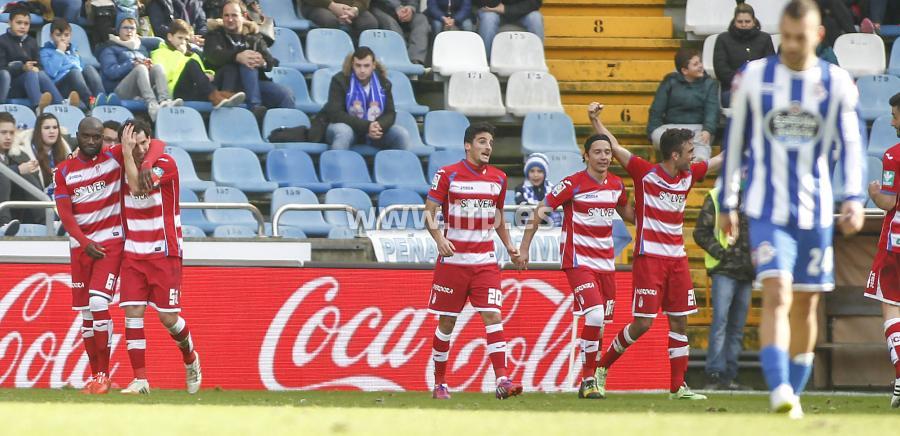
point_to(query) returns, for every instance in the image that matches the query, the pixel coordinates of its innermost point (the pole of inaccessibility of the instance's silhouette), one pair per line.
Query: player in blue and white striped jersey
(794, 118)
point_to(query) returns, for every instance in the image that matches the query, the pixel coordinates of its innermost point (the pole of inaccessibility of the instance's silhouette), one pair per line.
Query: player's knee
(491, 318)
(678, 324)
(98, 304)
(168, 319)
(446, 324)
(640, 326)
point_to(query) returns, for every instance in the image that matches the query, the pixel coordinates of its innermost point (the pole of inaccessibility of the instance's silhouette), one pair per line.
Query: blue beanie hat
(537, 160)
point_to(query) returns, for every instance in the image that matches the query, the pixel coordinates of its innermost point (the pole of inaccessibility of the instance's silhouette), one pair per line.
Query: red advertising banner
(314, 328)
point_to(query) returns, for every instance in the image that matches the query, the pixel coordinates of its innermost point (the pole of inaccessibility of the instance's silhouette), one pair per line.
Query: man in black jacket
(241, 59)
(20, 58)
(162, 12)
(360, 106)
(493, 13)
(742, 43)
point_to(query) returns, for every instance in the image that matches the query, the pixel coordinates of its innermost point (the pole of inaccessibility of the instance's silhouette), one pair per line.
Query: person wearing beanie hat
(536, 185)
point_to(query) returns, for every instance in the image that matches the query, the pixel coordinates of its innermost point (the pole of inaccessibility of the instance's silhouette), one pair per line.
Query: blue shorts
(804, 256)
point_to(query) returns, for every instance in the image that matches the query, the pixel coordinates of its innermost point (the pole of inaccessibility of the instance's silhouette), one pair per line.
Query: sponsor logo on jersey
(475, 203)
(870, 283)
(887, 178)
(601, 212)
(580, 288)
(793, 126)
(78, 285)
(436, 180)
(560, 187)
(439, 288)
(645, 291)
(672, 198)
(89, 189)
(763, 254)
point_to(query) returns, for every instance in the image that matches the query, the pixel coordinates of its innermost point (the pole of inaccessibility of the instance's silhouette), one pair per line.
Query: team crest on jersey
(763, 254)
(560, 187)
(887, 178)
(794, 126)
(158, 171)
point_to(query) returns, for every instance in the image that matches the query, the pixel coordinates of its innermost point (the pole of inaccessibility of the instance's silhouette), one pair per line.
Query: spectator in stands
(742, 43)
(450, 15)
(67, 9)
(188, 78)
(61, 61)
(354, 14)
(46, 144)
(213, 8)
(688, 99)
(360, 106)
(111, 133)
(162, 12)
(20, 58)
(728, 264)
(493, 13)
(884, 17)
(23, 165)
(535, 186)
(403, 17)
(128, 71)
(241, 58)
(8, 225)
(103, 15)
(836, 18)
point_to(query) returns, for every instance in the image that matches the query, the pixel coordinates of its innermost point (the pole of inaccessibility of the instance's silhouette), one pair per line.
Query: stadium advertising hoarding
(315, 328)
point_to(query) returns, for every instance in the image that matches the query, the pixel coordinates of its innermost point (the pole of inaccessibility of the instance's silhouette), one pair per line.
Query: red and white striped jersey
(589, 206)
(659, 206)
(890, 228)
(153, 220)
(471, 199)
(94, 187)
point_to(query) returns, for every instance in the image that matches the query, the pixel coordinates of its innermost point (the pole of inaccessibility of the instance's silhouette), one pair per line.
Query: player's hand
(128, 141)
(145, 178)
(521, 260)
(95, 250)
(851, 220)
(874, 188)
(513, 253)
(594, 110)
(445, 247)
(730, 224)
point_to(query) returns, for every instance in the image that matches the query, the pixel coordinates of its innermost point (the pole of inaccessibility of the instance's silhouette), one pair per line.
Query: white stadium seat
(454, 52)
(532, 91)
(475, 94)
(517, 51)
(704, 17)
(861, 54)
(776, 41)
(709, 48)
(768, 12)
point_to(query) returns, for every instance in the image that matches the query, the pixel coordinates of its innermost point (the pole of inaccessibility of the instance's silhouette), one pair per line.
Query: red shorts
(156, 282)
(454, 284)
(662, 283)
(884, 279)
(94, 276)
(590, 289)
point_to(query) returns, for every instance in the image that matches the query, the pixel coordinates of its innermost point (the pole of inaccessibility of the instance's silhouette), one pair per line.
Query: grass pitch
(41, 411)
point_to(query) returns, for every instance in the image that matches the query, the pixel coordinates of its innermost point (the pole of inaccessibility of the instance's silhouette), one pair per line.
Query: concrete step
(619, 8)
(610, 48)
(612, 114)
(597, 26)
(602, 70)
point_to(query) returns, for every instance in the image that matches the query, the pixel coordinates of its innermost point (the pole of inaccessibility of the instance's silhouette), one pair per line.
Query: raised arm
(132, 174)
(620, 153)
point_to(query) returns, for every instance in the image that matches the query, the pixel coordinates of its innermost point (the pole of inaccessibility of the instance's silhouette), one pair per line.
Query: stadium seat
(234, 231)
(875, 173)
(517, 51)
(445, 129)
(285, 117)
(32, 230)
(68, 116)
(776, 42)
(347, 169)
(563, 164)
(24, 116)
(79, 39)
(284, 14)
(874, 95)
(292, 167)
(289, 52)
(442, 158)
(294, 80)
(768, 12)
(3, 27)
(36, 20)
(357, 199)
(529, 91)
(118, 114)
(709, 49)
(321, 82)
(475, 94)
(704, 17)
(237, 127)
(860, 53)
(328, 47)
(510, 199)
(407, 121)
(188, 231)
(310, 222)
(342, 233)
(882, 137)
(225, 194)
(404, 97)
(187, 175)
(183, 127)
(894, 64)
(400, 169)
(407, 219)
(239, 168)
(460, 51)
(390, 49)
(292, 233)
(548, 131)
(194, 217)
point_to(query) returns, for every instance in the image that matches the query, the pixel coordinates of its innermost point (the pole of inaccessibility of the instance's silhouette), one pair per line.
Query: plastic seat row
(703, 17)
(456, 52)
(478, 94)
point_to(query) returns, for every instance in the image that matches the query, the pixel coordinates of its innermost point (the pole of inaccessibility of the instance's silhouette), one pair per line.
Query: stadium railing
(360, 230)
(50, 206)
(385, 212)
(257, 215)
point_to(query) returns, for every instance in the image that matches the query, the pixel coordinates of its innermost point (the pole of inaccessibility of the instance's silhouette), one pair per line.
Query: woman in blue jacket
(61, 61)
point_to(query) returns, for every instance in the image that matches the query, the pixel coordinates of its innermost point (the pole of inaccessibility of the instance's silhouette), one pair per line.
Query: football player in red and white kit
(590, 200)
(660, 273)
(884, 279)
(151, 269)
(470, 194)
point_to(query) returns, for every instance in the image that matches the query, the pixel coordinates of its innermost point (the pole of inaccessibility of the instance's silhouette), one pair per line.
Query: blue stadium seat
(407, 121)
(193, 217)
(510, 199)
(285, 14)
(295, 168)
(342, 233)
(445, 129)
(346, 169)
(882, 137)
(321, 82)
(187, 175)
(36, 20)
(237, 127)
(3, 27)
(225, 194)
(874, 94)
(563, 164)
(294, 80)
(289, 52)
(68, 116)
(311, 222)
(183, 127)
(32, 230)
(79, 39)
(359, 200)
(408, 219)
(328, 47)
(24, 116)
(239, 168)
(390, 49)
(400, 169)
(548, 131)
(286, 117)
(234, 231)
(894, 65)
(292, 233)
(875, 170)
(442, 158)
(189, 231)
(118, 114)
(402, 91)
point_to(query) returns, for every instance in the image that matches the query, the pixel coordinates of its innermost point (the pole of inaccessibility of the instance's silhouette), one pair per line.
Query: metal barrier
(257, 215)
(360, 229)
(48, 205)
(26, 186)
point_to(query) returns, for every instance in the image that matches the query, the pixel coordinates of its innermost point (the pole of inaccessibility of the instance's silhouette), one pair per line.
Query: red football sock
(590, 341)
(137, 346)
(616, 348)
(440, 354)
(87, 335)
(678, 359)
(892, 334)
(101, 339)
(182, 336)
(496, 348)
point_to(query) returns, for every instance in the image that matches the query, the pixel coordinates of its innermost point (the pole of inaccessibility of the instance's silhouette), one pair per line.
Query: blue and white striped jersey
(787, 131)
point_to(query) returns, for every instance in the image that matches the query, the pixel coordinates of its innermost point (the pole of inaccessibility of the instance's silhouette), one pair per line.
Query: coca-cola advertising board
(317, 328)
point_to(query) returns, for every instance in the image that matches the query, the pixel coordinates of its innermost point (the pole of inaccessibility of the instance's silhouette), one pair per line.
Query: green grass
(271, 413)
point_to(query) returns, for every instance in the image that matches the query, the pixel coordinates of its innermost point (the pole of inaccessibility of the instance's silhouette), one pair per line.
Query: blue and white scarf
(362, 105)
